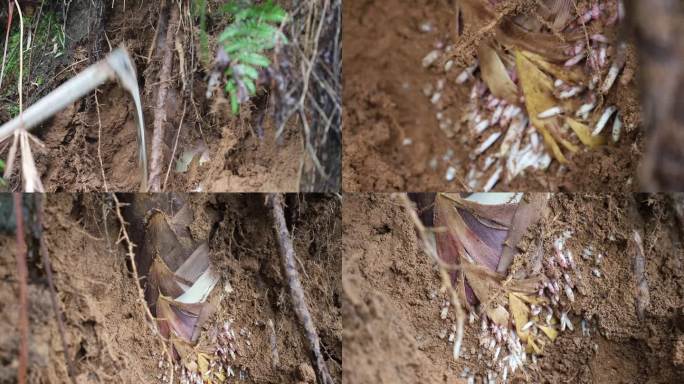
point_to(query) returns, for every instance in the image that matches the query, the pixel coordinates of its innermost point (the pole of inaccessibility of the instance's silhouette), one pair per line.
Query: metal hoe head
(117, 65)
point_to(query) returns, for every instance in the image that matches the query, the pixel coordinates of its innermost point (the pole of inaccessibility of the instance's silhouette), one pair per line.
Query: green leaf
(249, 84)
(253, 31)
(254, 59)
(248, 71)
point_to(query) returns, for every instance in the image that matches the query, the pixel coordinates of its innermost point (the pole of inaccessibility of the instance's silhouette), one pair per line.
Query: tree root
(157, 161)
(296, 290)
(22, 277)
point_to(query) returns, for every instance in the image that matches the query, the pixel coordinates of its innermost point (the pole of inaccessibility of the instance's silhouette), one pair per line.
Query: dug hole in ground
(400, 328)
(108, 337)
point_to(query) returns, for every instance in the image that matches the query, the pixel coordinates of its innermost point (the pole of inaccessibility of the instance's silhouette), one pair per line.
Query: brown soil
(239, 160)
(391, 306)
(384, 104)
(107, 336)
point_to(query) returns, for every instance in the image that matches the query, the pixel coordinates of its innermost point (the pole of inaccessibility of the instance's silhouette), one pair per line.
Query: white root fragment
(576, 59)
(569, 293)
(617, 128)
(514, 133)
(481, 127)
(275, 359)
(572, 92)
(451, 174)
(430, 58)
(466, 74)
(551, 112)
(584, 110)
(488, 143)
(527, 326)
(615, 69)
(607, 114)
(491, 182)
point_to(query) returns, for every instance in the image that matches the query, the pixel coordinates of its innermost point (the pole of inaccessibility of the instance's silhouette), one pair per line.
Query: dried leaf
(499, 315)
(520, 313)
(545, 44)
(496, 76)
(484, 282)
(203, 365)
(532, 346)
(550, 332)
(584, 133)
(568, 75)
(538, 90)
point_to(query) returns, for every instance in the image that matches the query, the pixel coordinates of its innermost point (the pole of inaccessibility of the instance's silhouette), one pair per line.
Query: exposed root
(99, 143)
(296, 290)
(643, 297)
(156, 166)
(22, 277)
(175, 146)
(275, 360)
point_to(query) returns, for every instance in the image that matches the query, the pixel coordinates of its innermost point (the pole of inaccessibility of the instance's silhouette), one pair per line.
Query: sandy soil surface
(239, 160)
(393, 331)
(393, 140)
(106, 332)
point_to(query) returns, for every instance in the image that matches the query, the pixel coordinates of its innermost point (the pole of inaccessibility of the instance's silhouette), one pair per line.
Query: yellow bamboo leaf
(550, 332)
(495, 75)
(532, 346)
(220, 377)
(584, 133)
(202, 363)
(559, 72)
(520, 314)
(529, 299)
(537, 87)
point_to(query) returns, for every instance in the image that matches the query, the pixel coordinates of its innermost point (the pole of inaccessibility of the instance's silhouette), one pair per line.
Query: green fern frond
(253, 31)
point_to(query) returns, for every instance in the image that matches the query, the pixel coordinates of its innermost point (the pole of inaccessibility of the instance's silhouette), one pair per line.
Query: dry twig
(296, 290)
